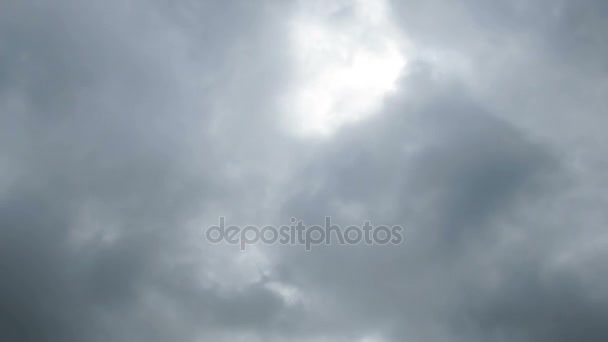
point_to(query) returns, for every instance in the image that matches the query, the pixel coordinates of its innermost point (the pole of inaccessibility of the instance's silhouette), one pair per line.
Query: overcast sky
(128, 127)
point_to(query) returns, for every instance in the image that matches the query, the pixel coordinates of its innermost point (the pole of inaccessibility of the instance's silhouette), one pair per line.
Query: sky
(127, 128)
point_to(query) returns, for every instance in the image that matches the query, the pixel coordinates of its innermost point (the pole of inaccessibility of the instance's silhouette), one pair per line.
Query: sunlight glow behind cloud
(348, 57)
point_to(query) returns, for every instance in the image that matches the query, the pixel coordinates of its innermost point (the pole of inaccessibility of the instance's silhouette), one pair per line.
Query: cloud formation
(127, 128)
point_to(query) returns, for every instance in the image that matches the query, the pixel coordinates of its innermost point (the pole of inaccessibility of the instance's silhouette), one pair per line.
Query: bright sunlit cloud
(348, 57)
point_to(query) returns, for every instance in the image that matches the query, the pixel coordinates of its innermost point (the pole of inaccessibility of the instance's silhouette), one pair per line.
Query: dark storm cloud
(535, 305)
(104, 125)
(452, 187)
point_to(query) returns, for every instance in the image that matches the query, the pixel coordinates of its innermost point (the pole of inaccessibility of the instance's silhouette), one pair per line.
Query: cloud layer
(127, 128)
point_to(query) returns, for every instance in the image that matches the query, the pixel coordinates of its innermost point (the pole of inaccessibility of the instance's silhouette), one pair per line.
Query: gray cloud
(126, 129)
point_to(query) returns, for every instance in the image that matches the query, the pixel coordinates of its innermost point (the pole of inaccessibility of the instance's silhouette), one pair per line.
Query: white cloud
(348, 57)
